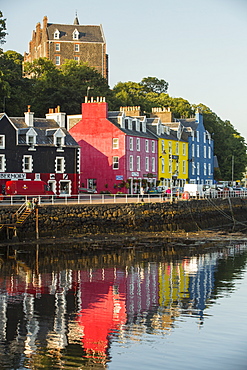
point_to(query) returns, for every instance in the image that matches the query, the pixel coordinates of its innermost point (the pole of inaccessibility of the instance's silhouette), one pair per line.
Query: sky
(198, 46)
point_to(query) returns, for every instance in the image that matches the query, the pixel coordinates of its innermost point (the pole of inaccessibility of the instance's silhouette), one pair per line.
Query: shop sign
(12, 176)
(119, 177)
(135, 174)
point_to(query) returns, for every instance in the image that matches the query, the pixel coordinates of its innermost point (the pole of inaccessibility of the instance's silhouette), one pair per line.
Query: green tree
(2, 28)
(153, 84)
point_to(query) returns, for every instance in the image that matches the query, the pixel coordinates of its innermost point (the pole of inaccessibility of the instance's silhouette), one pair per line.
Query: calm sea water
(75, 308)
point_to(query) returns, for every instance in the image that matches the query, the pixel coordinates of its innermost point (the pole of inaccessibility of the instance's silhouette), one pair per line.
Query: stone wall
(118, 218)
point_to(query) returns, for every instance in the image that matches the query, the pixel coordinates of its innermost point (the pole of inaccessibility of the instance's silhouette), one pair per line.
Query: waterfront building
(172, 153)
(39, 149)
(118, 152)
(58, 42)
(200, 146)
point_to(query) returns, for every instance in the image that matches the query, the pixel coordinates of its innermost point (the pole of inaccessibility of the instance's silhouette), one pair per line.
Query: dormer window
(75, 35)
(59, 139)
(31, 138)
(56, 34)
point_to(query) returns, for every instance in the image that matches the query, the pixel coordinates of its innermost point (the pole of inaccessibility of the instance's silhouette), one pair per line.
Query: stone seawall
(119, 218)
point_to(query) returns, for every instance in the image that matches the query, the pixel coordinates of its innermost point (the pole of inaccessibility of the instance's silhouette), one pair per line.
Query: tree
(2, 28)
(153, 84)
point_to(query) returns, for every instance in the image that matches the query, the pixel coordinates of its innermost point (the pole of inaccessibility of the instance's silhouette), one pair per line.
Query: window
(193, 168)
(130, 127)
(115, 163)
(197, 151)
(205, 169)
(192, 136)
(162, 146)
(153, 146)
(138, 146)
(177, 148)
(56, 34)
(131, 163)
(59, 165)
(170, 147)
(30, 140)
(75, 35)
(147, 164)
(193, 150)
(57, 47)
(27, 163)
(184, 149)
(59, 141)
(153, 164)
(2, 163)
(170, 165)
(115, 143)
(77, 47)
(146, 146)
(198, 168)
(77, 59)
(184, 167)
(204, 137)
(138, 163)
(57, 60)
(131, 143)
(209, 152)
(205, 151)
(162, 165)
(209, 169)
(2, 141)
(65, 187)
(198, 136)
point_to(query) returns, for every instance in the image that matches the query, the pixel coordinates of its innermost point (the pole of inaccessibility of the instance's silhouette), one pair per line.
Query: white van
(194, 189)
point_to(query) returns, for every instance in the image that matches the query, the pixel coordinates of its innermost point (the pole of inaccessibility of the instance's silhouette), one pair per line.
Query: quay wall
(74, 219)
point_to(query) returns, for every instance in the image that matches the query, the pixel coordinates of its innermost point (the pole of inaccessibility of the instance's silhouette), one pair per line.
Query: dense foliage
(48, 86)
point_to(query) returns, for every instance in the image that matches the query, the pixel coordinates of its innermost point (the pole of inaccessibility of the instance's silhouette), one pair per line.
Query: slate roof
(86, 33)
(40, 126)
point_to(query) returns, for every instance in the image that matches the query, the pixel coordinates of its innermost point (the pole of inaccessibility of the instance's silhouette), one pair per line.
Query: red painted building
(118, 153)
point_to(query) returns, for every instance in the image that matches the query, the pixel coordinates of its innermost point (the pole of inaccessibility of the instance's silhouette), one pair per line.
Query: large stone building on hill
(59, 42)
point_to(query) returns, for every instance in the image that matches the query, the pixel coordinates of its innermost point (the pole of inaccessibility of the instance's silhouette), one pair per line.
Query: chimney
(29, 117)
(58, 116)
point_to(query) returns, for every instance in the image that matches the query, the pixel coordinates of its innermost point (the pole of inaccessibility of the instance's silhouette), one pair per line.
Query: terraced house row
(107, 151)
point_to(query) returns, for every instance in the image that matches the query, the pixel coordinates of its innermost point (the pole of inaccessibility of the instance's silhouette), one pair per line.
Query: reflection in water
(65, 310)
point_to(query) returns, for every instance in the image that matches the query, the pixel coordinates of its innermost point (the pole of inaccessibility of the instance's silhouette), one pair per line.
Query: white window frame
(209, 169)
(59, 162)
(75, 35)
(162, 165)
(77, 58)
(2, 141)
(77, 48)
(27, 166)
(131, 163)
(147, 163)
(138, 144)
(138, 163)
(57, 60)
(198, 151)
(205, 151)
(170, 147)
(146, 146)
(198, 136)
(153, 146)
(184, 166)
(198, 168)
(153, 164)
(177, 148)
(204, 137)
(115, 143)
(131, 143)
(56, 34)
(193, 166)
(209, 152)
(57, 47)
(115, 163)
(163, 146)
(184, 149)
(2, 163)
(205, 169)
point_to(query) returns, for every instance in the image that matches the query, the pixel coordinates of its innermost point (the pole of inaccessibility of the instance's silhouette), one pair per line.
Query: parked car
(153, 190)
(87, 190)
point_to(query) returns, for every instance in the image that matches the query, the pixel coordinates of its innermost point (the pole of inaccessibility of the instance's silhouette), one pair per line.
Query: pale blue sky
(198, 46)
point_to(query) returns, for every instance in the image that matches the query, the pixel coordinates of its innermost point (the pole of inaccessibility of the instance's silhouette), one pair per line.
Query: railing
(115, 198)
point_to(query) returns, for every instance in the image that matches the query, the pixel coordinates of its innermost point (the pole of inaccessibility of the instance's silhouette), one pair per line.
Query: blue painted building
(201, 150)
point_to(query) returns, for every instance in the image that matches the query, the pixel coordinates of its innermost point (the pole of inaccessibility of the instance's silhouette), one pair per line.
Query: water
(79, 308)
